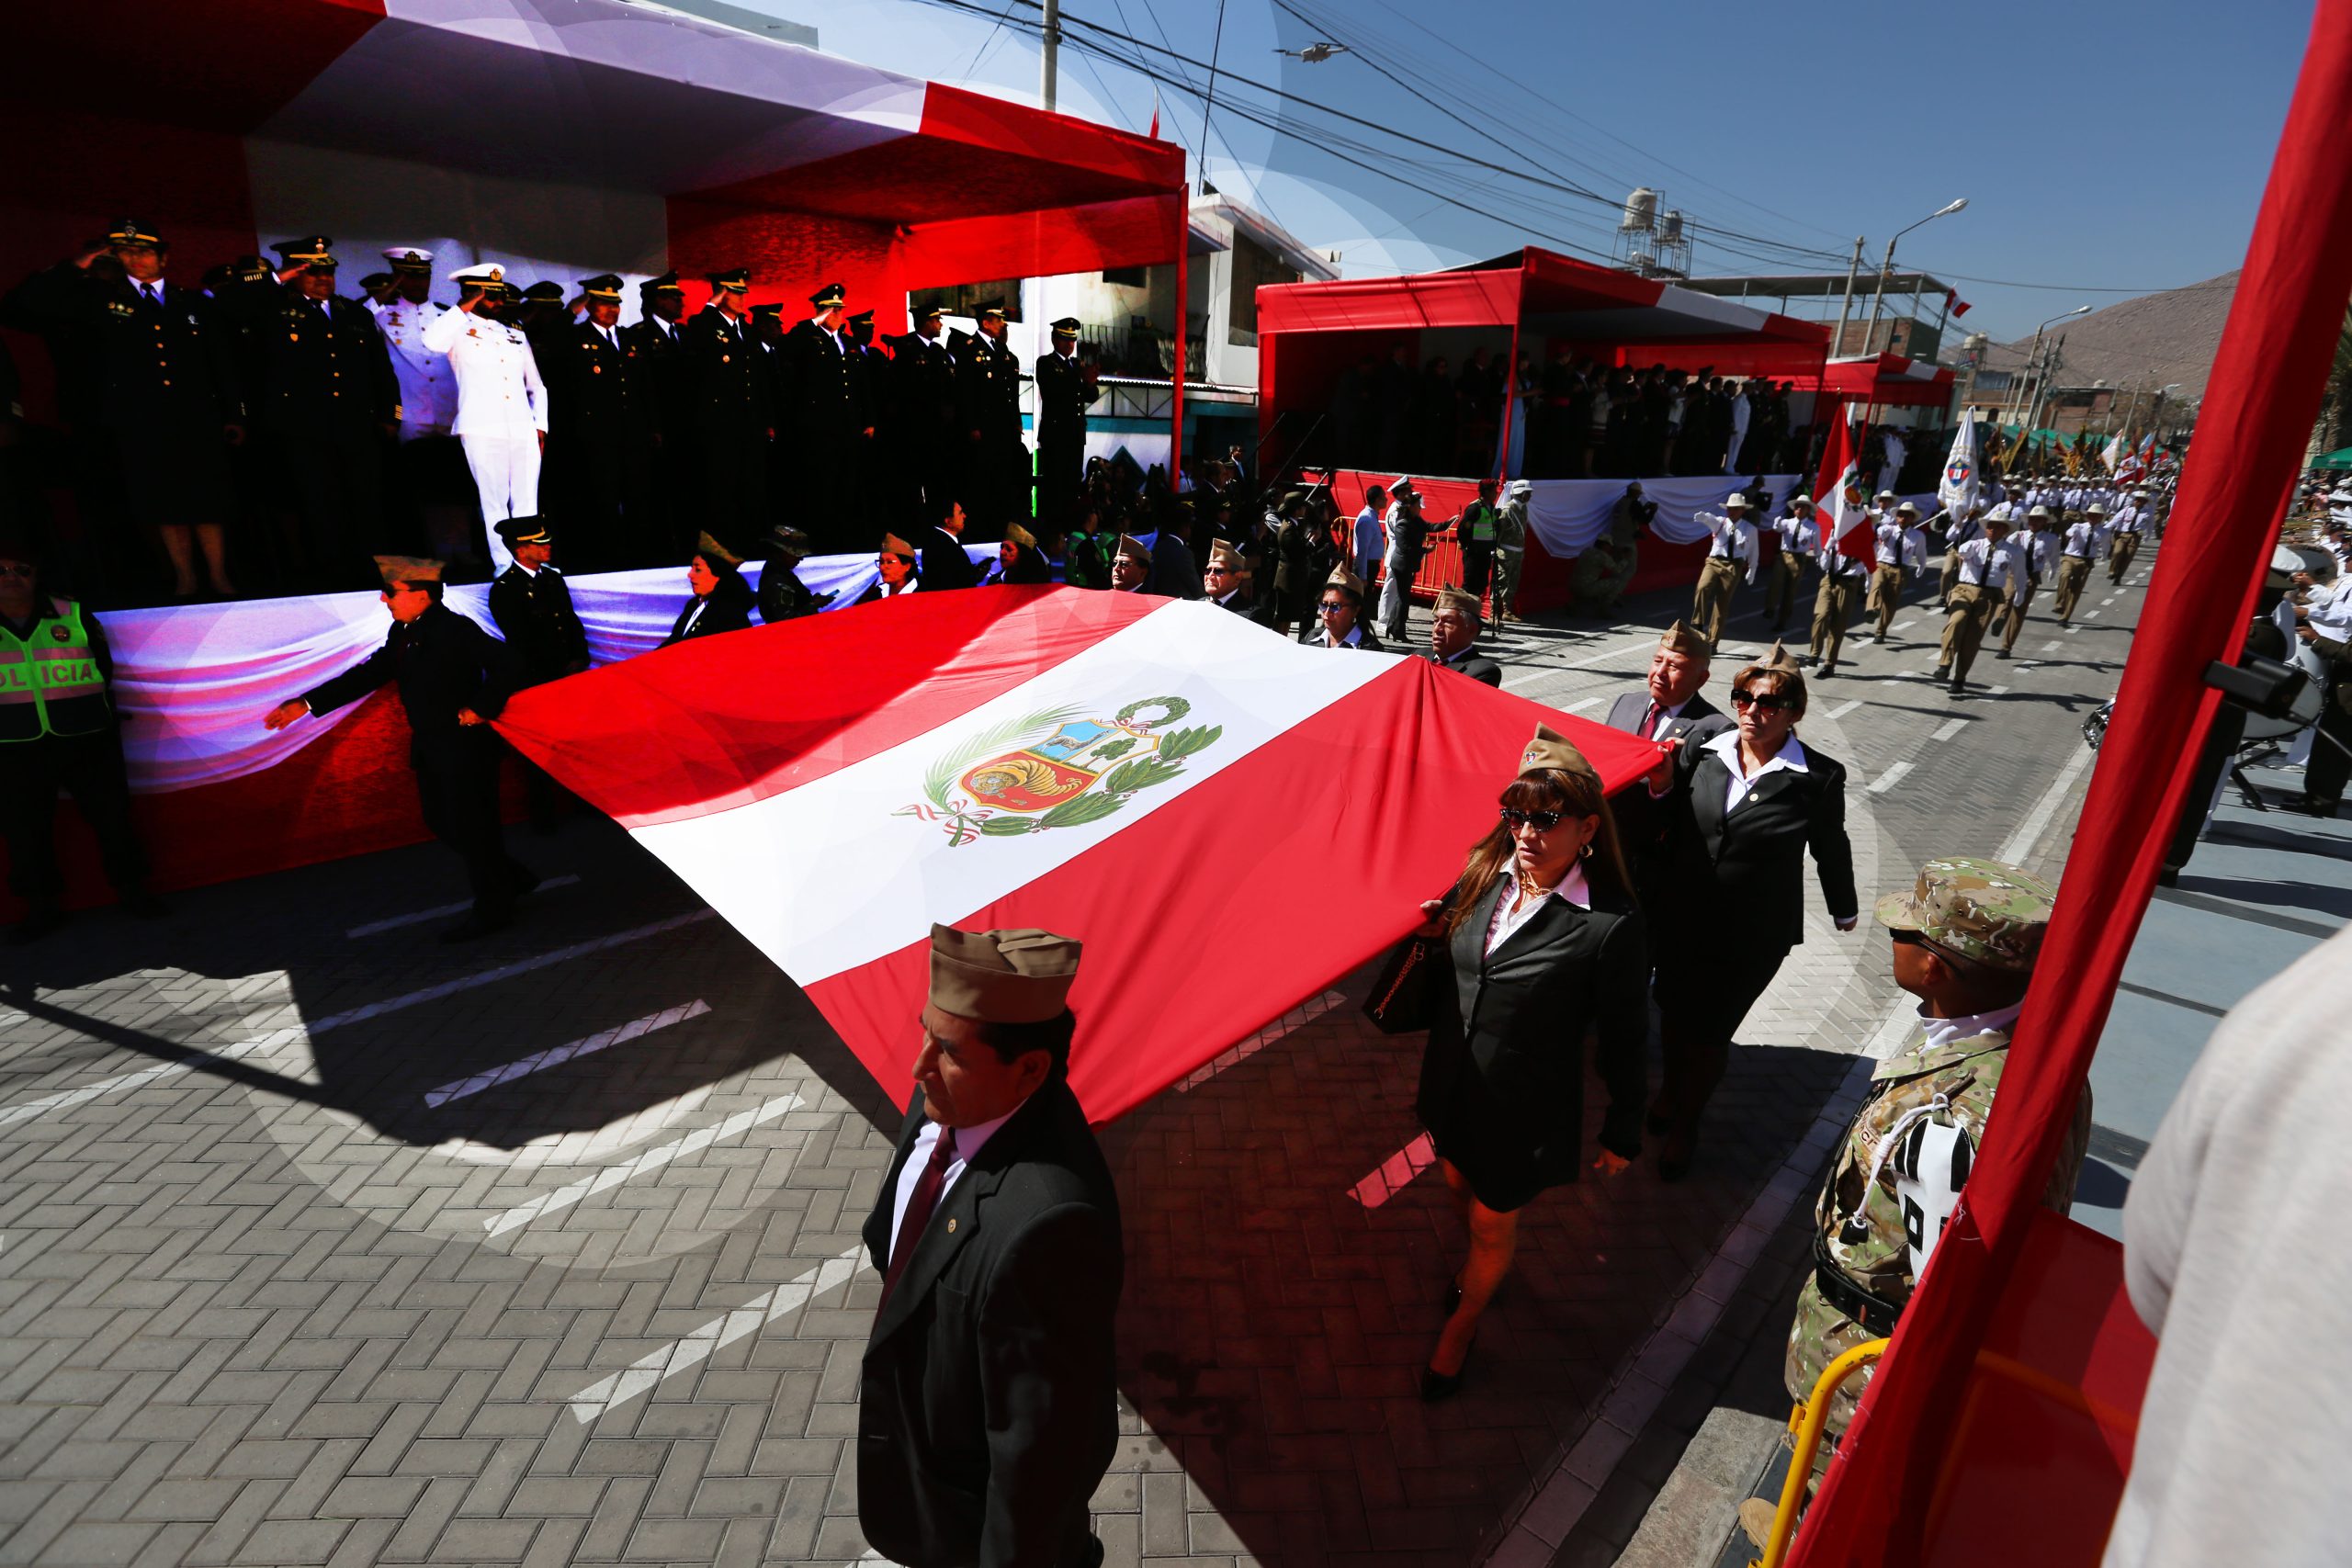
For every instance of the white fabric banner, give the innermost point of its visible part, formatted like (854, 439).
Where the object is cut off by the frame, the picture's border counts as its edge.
(1569, 514)
(193, 681)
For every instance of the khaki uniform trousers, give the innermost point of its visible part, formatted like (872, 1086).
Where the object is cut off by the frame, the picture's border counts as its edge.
(1964, 627)
(1833, 610)
(1711, 600)
(2014, 605)
(1507, 560)
(1950, 575)
(2073, 572)
(2119, 551)
(1886, 595)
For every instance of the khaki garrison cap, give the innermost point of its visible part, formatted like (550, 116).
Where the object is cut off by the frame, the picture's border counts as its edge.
(1007, 976)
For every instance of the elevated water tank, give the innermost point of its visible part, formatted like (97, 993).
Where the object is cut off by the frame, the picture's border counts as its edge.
(1641, 213)
(1669, 230)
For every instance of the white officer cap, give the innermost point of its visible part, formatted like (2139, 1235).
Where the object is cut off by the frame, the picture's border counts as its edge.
(408, 258)
(481, 272)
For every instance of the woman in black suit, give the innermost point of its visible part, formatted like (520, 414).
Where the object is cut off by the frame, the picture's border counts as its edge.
(1543, 944)
(722, 601)
(1341, 617)
(1737, 815)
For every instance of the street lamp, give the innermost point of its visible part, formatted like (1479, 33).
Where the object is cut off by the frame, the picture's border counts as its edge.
(1888, 262)
(2035, 352)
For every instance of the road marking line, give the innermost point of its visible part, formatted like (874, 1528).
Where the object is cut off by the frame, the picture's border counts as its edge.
(1905, 625)
(1886, 780)
(556, 1055)
(2052, 646)
(2090, 614)
(651, 1160)
(1312, 1008)
(1396, 1173)
(1581, 704)
(2021, 842)
(1842, 709)
(2110, 599)
(12, 1115)
(1950, 727)
(438, 910)
(2000, 691)
(649, 1371)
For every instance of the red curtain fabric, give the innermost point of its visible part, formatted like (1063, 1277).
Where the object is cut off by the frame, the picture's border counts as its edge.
(2266, 385)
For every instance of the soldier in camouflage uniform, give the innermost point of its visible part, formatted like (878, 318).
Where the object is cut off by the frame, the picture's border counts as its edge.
(1965, 938)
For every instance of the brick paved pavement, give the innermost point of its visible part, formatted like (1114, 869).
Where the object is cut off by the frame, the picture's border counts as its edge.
(316, 1247)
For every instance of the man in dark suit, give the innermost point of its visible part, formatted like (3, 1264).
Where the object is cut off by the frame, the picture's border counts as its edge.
(988, 386)
(1066, 389)
(1225, 582)
(925, 440)
(944, 564)
(732, 418)
(1453, 637)
(656, 339)
(454, 678)
(988, 1408)
(1670, 707)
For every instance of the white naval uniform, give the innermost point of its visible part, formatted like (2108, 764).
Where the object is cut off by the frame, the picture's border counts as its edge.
(501, 413)
(429, 387)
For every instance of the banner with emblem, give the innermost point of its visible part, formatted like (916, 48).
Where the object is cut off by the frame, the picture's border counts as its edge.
(1841, 500)
(1956, 492)
(1230, 821)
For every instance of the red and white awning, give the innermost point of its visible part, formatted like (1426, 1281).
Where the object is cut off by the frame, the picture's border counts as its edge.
(1228, 820)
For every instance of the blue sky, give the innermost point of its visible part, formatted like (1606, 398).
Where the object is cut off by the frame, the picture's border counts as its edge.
(2108, 149)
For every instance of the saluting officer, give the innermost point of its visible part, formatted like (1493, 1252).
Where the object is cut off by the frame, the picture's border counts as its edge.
(432, 489)
(671, 492)
(503, 401)
(453, 678)
(1066, 389)
(600, 449)
(926, 440)
(987, 385)
(327, 402)
(162, 361)
(730, 411)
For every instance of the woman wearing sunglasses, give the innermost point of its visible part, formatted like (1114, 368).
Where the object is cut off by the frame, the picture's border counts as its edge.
(1738, 812)
(1543, 944)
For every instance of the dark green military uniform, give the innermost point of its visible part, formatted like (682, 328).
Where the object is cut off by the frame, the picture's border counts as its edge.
(1066, 389)
(924, 440)
(728, 406)
(988, 386)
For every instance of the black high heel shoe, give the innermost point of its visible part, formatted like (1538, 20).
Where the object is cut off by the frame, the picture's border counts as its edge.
(1437, 1386)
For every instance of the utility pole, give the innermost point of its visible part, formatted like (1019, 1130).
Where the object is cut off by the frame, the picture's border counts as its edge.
(1838, 340)
(1049, 64)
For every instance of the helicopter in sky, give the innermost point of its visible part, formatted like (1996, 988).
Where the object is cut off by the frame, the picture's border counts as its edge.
(1315, 53)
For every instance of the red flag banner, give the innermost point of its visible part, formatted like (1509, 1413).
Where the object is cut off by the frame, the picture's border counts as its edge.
(1839, 498)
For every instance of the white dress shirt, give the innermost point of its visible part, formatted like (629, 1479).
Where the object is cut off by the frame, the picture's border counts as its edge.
(1798, 536)
(2084, 539)
(499, 390)
(1983, 562)
(2330, 608)
(1892, 543)
(1573, 889)
(1734, 539)
(2036, 551)
(2129, 520)
(1790, 758)
(969, 1142)
(428, 385)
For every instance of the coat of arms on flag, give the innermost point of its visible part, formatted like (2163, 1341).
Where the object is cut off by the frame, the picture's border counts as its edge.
(1040, 771)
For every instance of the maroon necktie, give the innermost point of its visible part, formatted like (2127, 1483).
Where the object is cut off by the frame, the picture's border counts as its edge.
(1649, 723)
(920, 1203)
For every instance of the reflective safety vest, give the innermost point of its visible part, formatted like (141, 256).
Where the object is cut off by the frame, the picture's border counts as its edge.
(49, 683)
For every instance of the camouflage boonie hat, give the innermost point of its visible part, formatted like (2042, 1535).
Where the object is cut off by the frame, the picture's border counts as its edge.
(1982, 909)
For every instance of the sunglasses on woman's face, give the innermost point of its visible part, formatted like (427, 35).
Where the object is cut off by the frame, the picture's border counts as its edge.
(1542, 821)
(1768, 701)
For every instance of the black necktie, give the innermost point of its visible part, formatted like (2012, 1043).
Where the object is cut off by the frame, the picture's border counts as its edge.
(920, 1204)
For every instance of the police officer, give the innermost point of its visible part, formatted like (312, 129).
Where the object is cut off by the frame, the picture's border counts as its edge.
(820, 409)
(665, 527)
(58, 733)
(783, 596)
(454, 677)
(326, 404)
(503, 401)
(163, 362)
(988, 384)
(924, 432)
(600, 445)
(1066, 389)
(1989, 569)
(730, 411)
(1966, 940)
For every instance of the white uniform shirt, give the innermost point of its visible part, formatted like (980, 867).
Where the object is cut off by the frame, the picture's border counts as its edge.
(2037, 552)
(1836, 563)
(2127, 520)
(1798, 536)
(499, 390)
(429, 387)
(1893, 543)
(1734, 539)
(2331, 610)
(1983, 562)
(2084, 539)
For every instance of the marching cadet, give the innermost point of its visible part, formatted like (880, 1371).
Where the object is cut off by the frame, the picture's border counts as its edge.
(600, 445)
(2123, 534)
(895, 562)
(925, 427)
(2080, 545)
(1893, 548)
(819, 407)
(1966, 940)
(730, 412)
(1225, 580)
(503, 403)
(429, 476)
(722, 599)
(327, 402)
(59, 734)
(1958, 531)
(1800, 539)
(454, 677)
(1734, 541)
(2037, 556)
(1988, 568)
(532, 606)
(987, 383)
(783, 596)
(163, 363)
(1834, 603)
(671, 490)
(1066, 389)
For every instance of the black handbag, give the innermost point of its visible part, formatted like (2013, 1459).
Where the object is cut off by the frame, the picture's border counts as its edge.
(1400, 999)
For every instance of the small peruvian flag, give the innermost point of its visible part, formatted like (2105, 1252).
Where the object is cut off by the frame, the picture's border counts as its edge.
(1839, 498)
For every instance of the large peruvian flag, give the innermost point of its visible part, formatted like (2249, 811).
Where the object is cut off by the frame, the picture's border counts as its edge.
(1229, 821)
(1839, 498)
